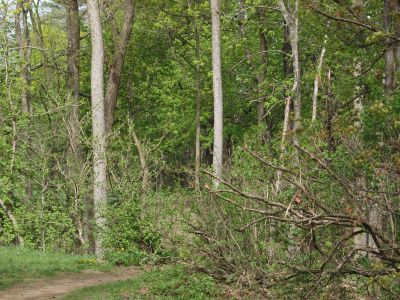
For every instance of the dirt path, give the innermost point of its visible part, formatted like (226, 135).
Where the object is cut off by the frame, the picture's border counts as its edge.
(55, 287)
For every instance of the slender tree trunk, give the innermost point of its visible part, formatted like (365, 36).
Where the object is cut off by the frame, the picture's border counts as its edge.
(24, 51)
(114, 77)
(73, 77)
(263, 62)
(358, 100)
(316, 82)
(390, 53)
(37, 27)
(75, 159)
(142, 160)
(242, 31)
(217, 87)
(292, 22)
(145, 172)
(290, 46)
(330, 113)
(287, 70)
(98, 119)
(397, 44)
(13, 221)
(197, 161)
(24, 48)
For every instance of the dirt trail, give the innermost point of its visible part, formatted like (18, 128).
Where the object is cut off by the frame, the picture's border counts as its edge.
(58, 286)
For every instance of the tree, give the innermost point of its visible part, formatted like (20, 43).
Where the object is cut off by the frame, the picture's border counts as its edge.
(217, 86)
(114, 77)
(98, 118)
(198, 103)
(292, 21)
(25, 52)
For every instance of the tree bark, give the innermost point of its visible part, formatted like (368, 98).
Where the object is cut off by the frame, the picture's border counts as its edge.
(75, 159)
(197, 161)
(73, 32)
(37, 27)
(98, 119)
(143, 164)
(13, 221)
(292, 21)
(217, 88)
(263, 62)
(316, 82)
(24, 48)
(115, 71)
(330, 113)
(390, 53)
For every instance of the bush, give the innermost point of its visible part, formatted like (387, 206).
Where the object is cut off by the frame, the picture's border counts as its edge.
(128, 238)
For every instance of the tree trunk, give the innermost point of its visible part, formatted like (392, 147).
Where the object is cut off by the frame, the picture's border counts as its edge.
(143, 164)
(390, 53)
(145, 172)
(73, 29)
(217, 87)
(397, 44)
(98, 119)
(13, 221)
(37, 27)
(330, 113)
(292, 22)
(263, 62)
(75, 159)
(114, 76)
(24, 48)
(316, 82)
(197, 161)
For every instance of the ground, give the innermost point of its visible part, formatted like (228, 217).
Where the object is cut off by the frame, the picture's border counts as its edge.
(29, 274)
(60, 285)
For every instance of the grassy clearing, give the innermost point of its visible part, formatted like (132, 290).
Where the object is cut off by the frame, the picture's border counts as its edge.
(168, 282)
(18, 264)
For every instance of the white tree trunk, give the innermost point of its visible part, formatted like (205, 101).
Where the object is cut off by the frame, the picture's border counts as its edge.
(13, 221)
(98, 119)
(217, 86)
(316, 82)
(292, 20)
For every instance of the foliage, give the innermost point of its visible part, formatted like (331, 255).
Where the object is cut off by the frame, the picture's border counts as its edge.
(289, 200)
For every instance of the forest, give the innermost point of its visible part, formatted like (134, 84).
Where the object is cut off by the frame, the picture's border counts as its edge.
(250, 148)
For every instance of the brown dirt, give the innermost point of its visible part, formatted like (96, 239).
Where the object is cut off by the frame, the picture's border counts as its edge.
(58, 286)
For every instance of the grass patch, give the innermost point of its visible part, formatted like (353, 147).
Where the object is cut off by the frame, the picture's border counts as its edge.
(168, 282)
(18, 264)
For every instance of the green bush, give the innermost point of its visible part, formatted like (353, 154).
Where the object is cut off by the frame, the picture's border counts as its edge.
(128, 238)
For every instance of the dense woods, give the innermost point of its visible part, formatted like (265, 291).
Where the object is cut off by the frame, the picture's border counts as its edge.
(256, 140)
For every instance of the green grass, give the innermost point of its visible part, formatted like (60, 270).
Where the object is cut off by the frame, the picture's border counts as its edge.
(168, 282)
(18, 264)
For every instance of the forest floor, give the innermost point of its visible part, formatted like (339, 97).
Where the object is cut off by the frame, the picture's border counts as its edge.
(30, 274)
(60, 285)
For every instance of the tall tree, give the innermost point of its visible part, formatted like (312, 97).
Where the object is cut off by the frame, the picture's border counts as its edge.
(261, 12)
(217, 86)
(114, 76)
(292, 21)
(75, 158)
(388, 11)
(316, 82)
(198, 104)
(24, 47)
(98, 118)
